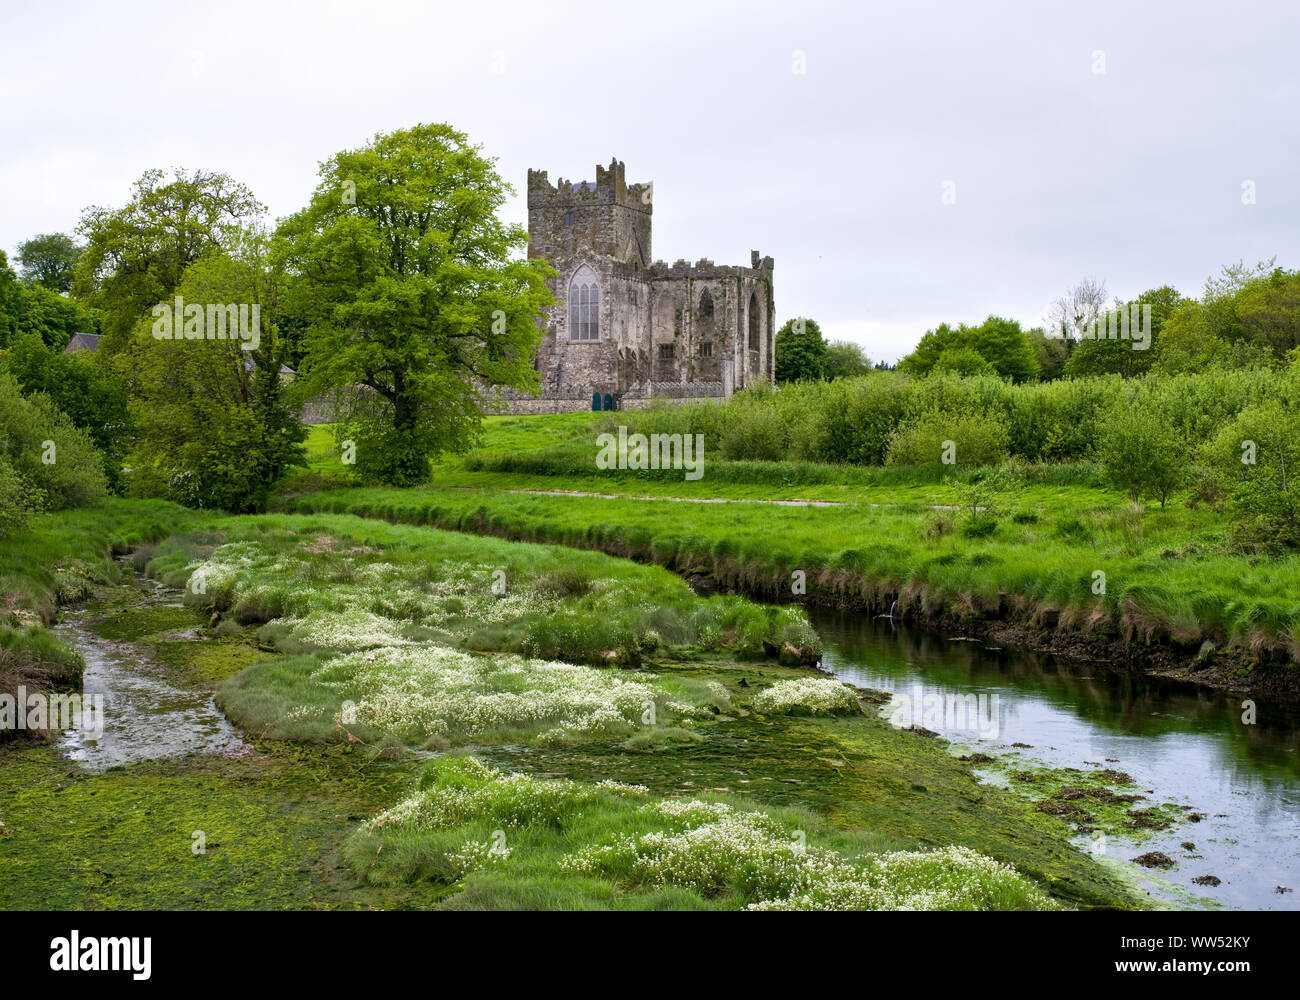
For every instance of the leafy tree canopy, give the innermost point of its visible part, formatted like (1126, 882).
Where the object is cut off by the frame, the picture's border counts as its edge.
(1103, 355)
(413, 288)
(845, 359)
(136, 256)
(801, 352)
(1000, 342)
(82, 387)
(215, 427)
(962, 361)
(1249, 317)
(49, 260)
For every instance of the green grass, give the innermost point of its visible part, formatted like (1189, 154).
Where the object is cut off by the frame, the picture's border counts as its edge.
(436, 638)
(1172, 576)
(1169, 575)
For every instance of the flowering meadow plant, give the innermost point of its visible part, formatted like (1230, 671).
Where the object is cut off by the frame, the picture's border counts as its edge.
(811, 695)
(709, 850)
(423, 693)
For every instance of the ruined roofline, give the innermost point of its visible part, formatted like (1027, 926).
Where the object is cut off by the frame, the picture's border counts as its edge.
(705, 268)
(610, 188)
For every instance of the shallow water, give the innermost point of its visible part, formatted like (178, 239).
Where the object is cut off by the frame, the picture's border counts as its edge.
(145, 717)
(1179, 744)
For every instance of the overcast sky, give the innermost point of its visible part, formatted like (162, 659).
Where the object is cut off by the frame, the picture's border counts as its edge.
(1096, 139)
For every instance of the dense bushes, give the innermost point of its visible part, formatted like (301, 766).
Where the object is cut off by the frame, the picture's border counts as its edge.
(1142, 456)
(857, 421)
(1256, 458)
(92, 396)
(45, 462)
(939, 437)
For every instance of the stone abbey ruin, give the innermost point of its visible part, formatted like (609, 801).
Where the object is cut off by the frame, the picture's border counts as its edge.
(625, 329)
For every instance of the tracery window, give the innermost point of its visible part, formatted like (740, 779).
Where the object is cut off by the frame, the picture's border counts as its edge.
(584, 306)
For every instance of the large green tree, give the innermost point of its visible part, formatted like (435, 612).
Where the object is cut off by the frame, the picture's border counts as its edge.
(1052, 353)
(801, 352)
(1102, 355)
(1248, 317)
(8, 286)
(1000, 342)
(49, 260)
(214, 425)
(136, 256)
(35, 309)
(414, 290)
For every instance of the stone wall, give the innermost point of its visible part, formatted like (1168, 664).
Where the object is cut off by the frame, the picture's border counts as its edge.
(512, 402)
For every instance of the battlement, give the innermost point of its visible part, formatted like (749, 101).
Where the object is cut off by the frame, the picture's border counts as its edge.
(609, 188)
(705, 268)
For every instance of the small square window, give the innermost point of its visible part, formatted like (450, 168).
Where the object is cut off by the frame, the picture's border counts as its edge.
(665, 352)
(568, 218)
(706, 349)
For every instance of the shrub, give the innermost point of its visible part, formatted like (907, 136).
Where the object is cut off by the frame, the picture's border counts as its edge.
(930, 438)
(858, 417)
(807, 696)
(1257, 456)
(1142, 456)
(18, 500)
(754, 432)
(50, 463)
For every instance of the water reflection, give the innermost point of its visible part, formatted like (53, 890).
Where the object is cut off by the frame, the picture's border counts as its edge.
(1181, 744)
(145, 718)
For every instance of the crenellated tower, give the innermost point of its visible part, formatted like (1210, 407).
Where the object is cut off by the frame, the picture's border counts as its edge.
(609, 217)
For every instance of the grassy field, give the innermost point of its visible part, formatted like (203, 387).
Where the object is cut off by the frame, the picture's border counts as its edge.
(1167, 580)
(1039, 546)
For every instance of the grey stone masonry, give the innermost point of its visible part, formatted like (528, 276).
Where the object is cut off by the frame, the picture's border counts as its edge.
(625, 325)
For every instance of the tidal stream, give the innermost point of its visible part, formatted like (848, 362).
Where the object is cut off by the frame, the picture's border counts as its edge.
(144, 717)
(1180, 744)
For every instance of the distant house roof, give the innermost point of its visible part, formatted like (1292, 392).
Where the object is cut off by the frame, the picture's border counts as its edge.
(83, 342)
(284, 369)
(584, 186)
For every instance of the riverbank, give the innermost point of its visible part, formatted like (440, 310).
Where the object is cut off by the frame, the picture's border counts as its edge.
(1188, 612)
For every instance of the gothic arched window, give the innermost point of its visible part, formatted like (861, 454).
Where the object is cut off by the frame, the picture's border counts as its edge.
(584, 306)
(706, 304)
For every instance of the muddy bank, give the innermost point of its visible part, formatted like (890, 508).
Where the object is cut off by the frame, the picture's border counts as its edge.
(1221, 671)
